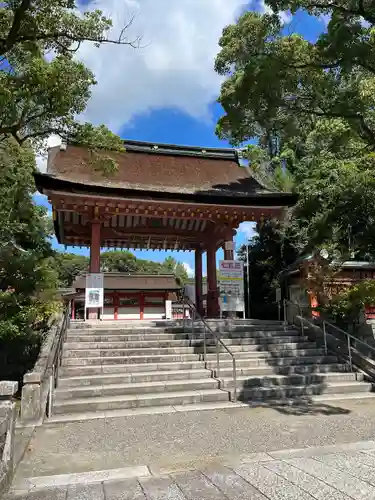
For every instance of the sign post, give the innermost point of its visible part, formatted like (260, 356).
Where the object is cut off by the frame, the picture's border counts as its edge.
(231, 285)
(94, 293)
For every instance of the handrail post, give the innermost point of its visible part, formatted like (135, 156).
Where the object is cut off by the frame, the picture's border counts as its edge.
(217, 357)
(325, 338)
(234, 380)
(284, 312)
(204, 343)
(192, 320)
(301, 316)
(350, 354)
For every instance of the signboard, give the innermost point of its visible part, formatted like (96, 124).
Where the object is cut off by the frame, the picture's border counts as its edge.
(94, 296)
(231, 285)
(278, 294)
(168, 309)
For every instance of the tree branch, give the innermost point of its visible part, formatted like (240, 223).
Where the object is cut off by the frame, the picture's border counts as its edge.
(361, 11)
(366, 130)
(19, 14)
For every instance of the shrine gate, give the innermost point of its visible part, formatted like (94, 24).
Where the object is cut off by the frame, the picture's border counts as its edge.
(162, 197)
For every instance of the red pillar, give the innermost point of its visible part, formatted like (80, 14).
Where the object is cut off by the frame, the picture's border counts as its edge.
(213, 310)
(95, 247)
(73, 315)
(198, 281)
(95, 259)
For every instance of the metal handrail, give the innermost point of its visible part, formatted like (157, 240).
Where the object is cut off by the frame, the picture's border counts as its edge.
(324, 323)
(195, 314)
(57, 359)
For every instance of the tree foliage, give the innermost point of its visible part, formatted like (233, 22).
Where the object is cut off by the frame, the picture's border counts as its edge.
(43, 87)
(27, 281)
(69, 266)
(276, 81)
(311, 107)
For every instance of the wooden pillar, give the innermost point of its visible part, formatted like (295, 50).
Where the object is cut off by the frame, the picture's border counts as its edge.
(95, 259)
(198, 281)
(95, 247)
(213, 310)
(73, 315)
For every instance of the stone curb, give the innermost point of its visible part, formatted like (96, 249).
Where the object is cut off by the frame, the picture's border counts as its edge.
(29, 484)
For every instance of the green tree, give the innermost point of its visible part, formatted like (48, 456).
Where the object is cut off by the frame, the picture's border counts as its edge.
(170, 265)
(41, 95)
(69, 266)
(27, 281)
(276, 81)
(119, 261)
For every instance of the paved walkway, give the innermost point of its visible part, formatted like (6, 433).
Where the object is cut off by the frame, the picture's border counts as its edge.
(192, 438)
(331, 473)
(222, 454)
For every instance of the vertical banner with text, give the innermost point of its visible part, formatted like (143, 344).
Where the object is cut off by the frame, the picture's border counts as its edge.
(94, 297)
(231, 283)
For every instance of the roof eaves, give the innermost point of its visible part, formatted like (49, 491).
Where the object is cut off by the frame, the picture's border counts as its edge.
(177, 150)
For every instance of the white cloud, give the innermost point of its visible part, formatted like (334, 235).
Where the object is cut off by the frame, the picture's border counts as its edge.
(189, 269)
(285, 16)
(247, 228)
(41, 160)
(173, 68)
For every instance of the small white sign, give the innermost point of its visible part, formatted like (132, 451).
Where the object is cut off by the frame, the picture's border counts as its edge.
(168, 309)
(278, 294)
(94, 296)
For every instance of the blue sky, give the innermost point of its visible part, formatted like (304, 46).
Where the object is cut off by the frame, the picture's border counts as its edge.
(167, 90)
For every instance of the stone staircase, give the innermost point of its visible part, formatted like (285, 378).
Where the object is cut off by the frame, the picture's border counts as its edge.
(116, 367)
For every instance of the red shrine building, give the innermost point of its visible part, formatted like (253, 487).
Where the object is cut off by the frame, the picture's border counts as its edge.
(161, 197)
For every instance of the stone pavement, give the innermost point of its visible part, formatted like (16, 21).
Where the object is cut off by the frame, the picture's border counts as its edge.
(219, 454)
(193, 437)
(345, 472)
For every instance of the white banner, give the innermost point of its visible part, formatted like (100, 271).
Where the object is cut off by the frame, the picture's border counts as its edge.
(94, 296)
(168, 309)
(231, 285)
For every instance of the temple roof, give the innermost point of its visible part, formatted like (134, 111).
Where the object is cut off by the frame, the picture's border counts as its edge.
(162, 171)
(124, 281)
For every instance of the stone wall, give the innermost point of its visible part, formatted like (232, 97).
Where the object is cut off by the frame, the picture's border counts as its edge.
(36, 382)
(8, 415)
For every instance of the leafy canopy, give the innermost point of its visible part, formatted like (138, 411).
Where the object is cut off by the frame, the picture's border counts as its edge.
(43, 87)
(277, 81)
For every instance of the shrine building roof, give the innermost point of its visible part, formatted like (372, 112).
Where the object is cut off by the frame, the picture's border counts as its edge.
(161, 171)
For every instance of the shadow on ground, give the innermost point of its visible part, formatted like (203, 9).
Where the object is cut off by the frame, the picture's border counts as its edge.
(298, 373)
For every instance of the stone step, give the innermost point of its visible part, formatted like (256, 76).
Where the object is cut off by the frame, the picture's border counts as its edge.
(273, 362)
(165, 358)
(137, 377)
(270, 381)
(68, 393)
(270, 355)
(127, 360)
(225, 364)
(301, 391)
(139, 332)
(103, 403)
(308, 369)
(197, 349)
(77, 371)
(104, 353)
(105, 337)
(141, 344)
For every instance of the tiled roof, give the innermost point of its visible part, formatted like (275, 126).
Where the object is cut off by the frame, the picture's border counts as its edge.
(122, 281)
(145, 167)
